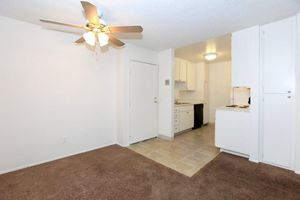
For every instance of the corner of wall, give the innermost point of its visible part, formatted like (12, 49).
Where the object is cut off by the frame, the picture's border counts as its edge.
(166, 93)
(297, 89)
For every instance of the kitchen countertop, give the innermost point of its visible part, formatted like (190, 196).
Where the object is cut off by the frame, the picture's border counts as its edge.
(234, 109)
(183, 104)
(190, 102)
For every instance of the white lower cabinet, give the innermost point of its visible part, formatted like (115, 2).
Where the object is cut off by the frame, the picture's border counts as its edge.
(183, 118)
(176, 120)
(232, 130)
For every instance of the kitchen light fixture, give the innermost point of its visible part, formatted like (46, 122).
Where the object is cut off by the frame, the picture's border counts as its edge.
(210, 56)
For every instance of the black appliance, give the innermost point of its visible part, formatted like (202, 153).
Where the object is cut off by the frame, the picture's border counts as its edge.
(198, 115)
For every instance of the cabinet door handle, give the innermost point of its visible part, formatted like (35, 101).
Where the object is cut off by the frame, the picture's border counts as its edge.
(289, 97)
(289, 92)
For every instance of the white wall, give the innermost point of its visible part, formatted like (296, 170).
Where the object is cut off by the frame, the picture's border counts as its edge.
(166, 98)
(297, 89)
(245, 72)
(125, 55)
(219, 84)
(51, 89)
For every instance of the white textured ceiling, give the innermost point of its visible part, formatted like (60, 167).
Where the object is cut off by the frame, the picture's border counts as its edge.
(167, 23)
(195, 52)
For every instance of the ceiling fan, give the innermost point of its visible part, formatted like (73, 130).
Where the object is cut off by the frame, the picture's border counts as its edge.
(96, 28)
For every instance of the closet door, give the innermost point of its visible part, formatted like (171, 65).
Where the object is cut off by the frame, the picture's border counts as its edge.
(143, 101)
(278, 48)
(277, 128)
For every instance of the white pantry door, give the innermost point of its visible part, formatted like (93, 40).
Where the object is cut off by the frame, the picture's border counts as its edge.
(278, 138)
(278, 49)
(143, 101)
(278, 45)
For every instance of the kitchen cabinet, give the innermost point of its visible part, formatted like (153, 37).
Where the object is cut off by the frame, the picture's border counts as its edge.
(185, 72)
(186, 118)
(177, 69)
(180, 71)
(176, 116)
(205, 113)
(278, 60)
(183, 118)
(232, 131)
(191, 76)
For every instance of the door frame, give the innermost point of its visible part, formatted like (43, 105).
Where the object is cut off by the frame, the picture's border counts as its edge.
(129, 96)
(293, 95)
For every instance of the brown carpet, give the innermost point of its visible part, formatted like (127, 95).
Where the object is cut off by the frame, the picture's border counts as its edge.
(119, 173)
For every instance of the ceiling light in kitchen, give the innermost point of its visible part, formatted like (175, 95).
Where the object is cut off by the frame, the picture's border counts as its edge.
(210, 56)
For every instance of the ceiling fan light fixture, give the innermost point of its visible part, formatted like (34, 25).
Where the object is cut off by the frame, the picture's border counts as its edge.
(90, 38)
(103, 39)
(210, 56)
(97, 29)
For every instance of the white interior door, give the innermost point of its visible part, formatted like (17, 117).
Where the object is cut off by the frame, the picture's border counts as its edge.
(277, 129)
(143, 101)
(278, 49)
(278, 55)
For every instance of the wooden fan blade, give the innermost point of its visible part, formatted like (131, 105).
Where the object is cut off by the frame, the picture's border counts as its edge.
(80, 40)
(90, 12)
(125, 29)
(115, 41)
(60, 23)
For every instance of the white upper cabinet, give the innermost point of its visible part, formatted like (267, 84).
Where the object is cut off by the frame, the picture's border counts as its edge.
(185, 72)
(191, 76)
(278, 47)
(180, 71)
(245, 57)
(177, 70)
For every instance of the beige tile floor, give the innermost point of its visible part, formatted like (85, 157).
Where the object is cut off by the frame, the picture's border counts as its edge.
(187, 153)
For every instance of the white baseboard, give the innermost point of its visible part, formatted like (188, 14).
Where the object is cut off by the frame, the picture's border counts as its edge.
(253, 160)
(123, 145)
(297, 172)
(165, 137)
(234, 153)
(53, 159)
